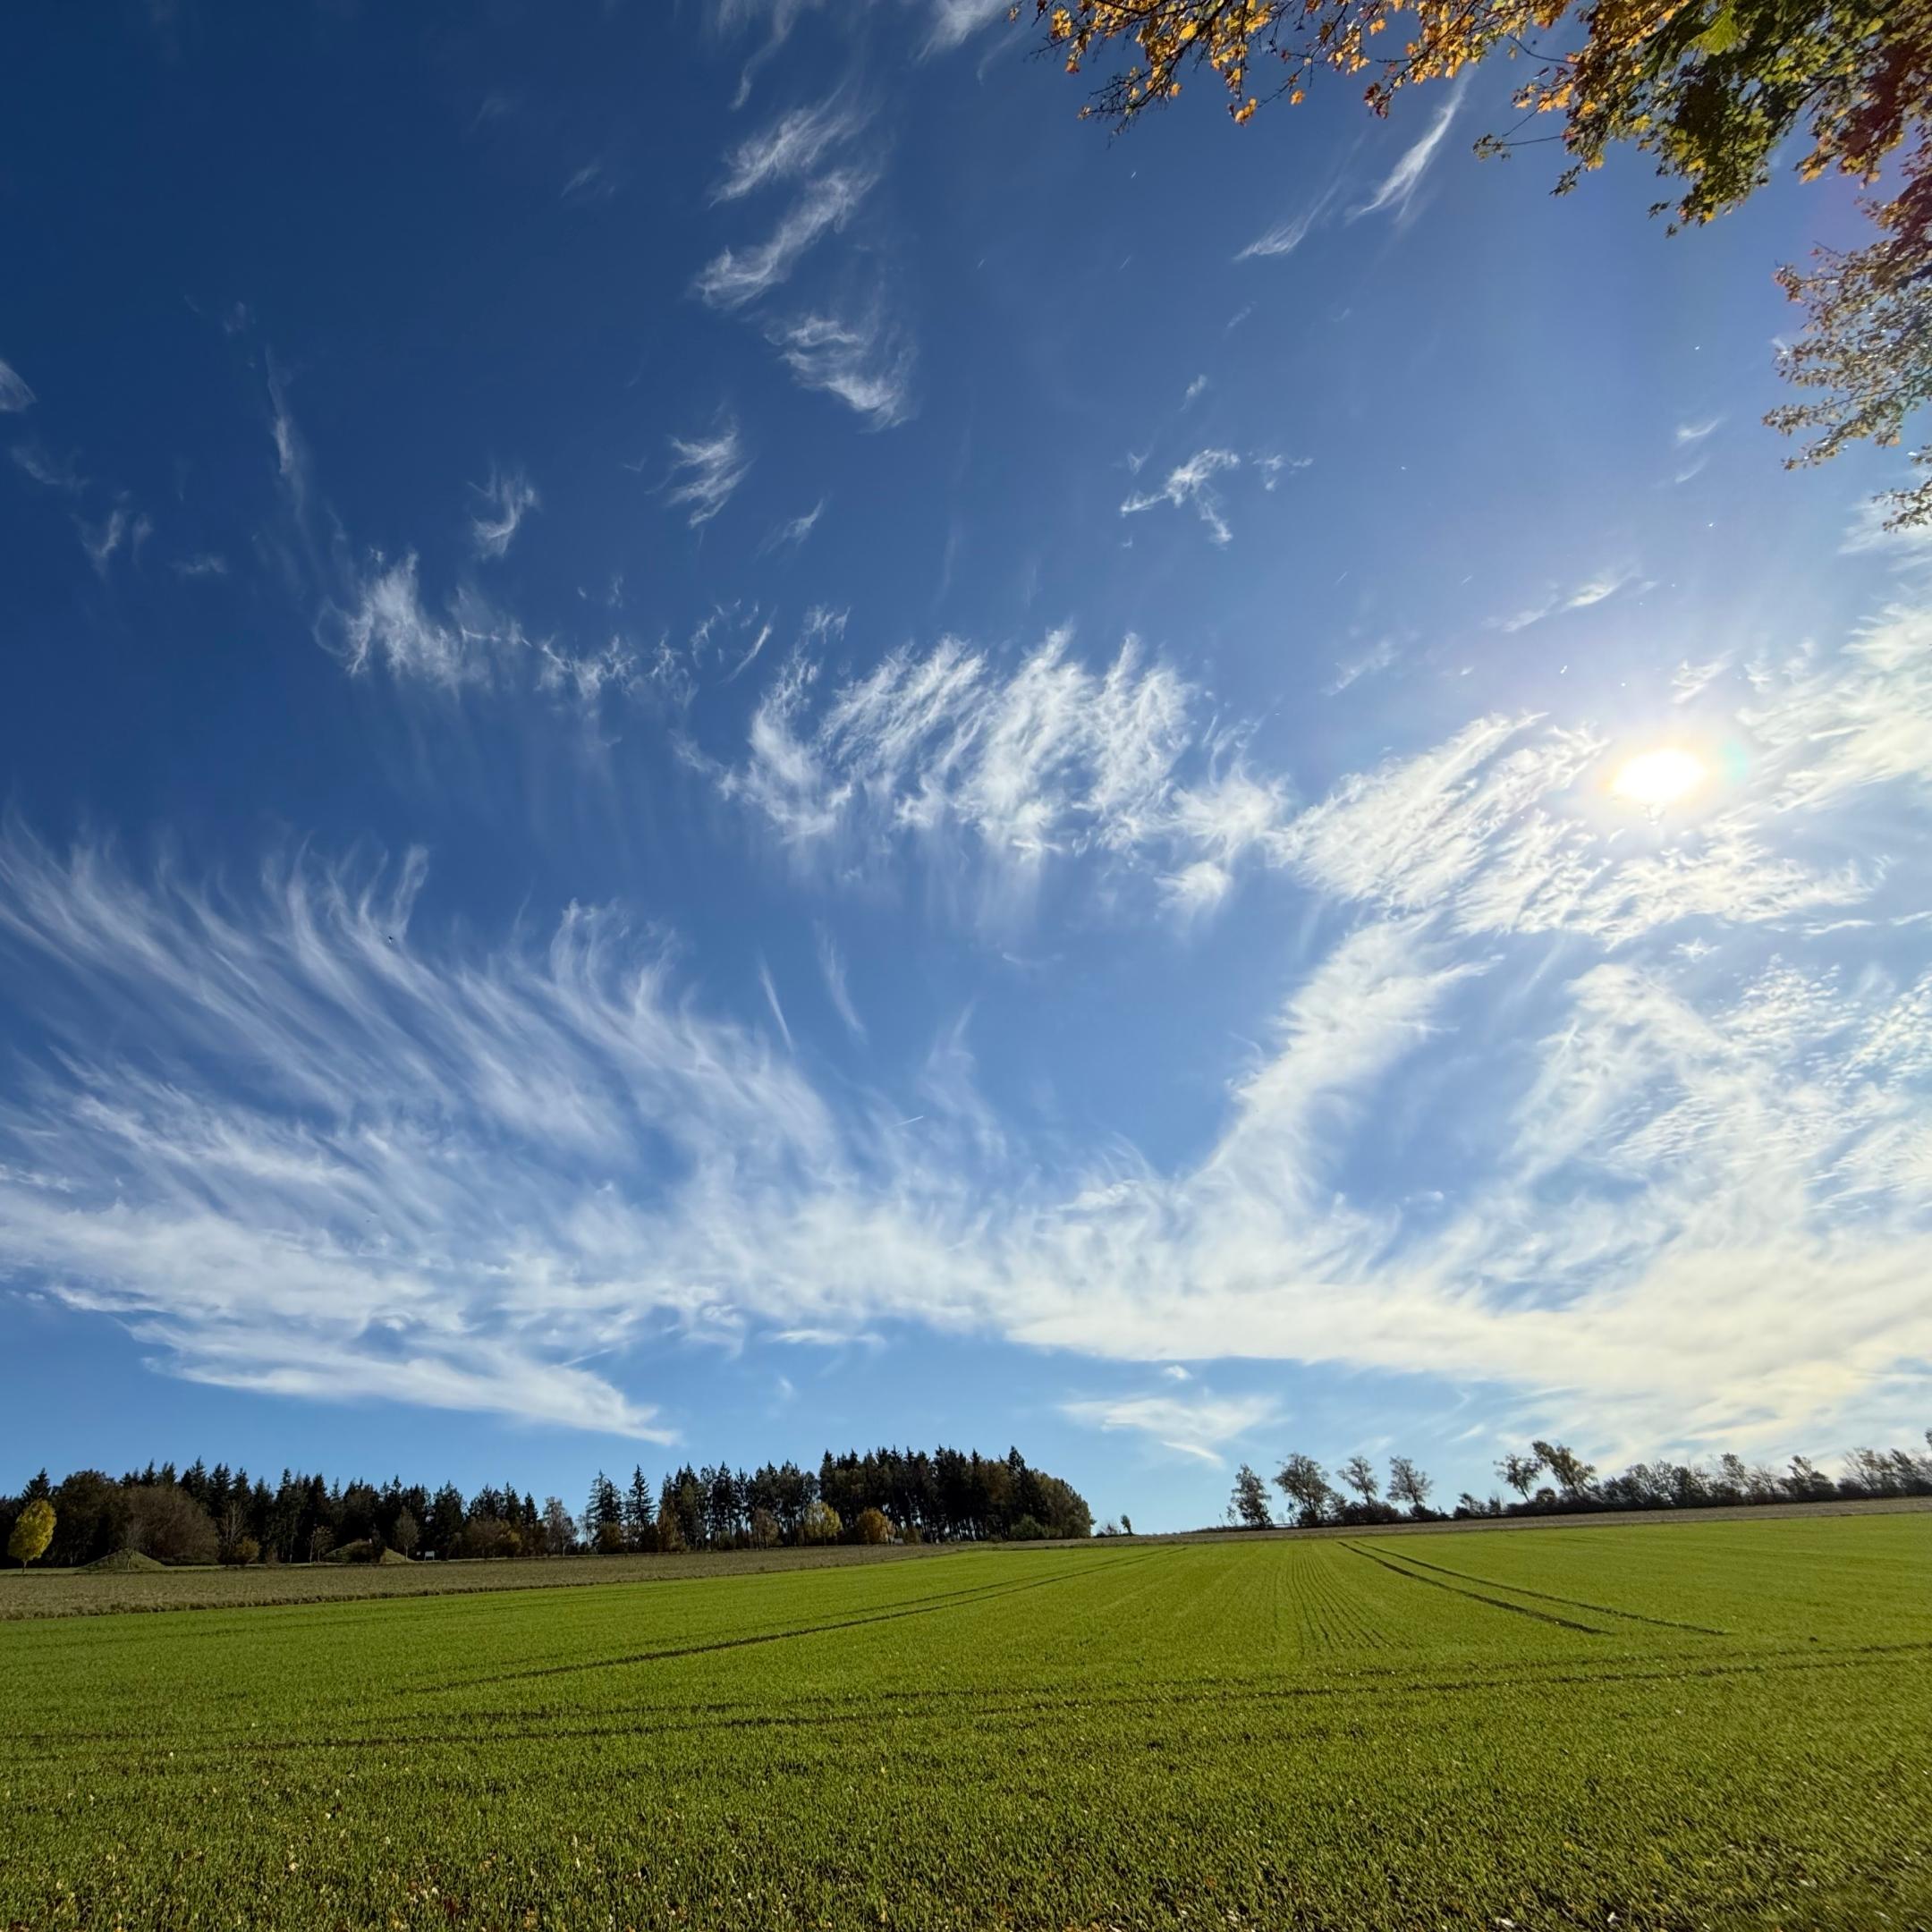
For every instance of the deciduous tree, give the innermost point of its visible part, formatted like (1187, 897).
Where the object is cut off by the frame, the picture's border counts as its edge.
(1305, 1483)
(1572, 1473)
(1248, 1505)
(405, 1533)
(1521, 1472)
(1408, 1484)
(1359, 1473)
(33, 1531)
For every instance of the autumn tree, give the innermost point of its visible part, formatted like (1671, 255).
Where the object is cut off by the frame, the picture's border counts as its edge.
(1249, 1506)
(820, 1522)
(1710, 90)
(33, 1531)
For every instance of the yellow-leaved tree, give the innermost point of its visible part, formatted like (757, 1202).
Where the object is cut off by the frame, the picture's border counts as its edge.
(1710, 89)
(33, 1531)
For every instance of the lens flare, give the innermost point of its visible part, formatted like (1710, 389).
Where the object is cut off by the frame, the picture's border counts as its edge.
(1658, 778)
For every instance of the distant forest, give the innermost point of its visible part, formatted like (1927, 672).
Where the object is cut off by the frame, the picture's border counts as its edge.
(199, 1515)
(1550, 1478)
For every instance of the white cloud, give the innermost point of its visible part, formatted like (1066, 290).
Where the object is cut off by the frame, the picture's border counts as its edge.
(831, 964)
(957, 20)
(1378, 656)
(1695, 432)
(1286, 237)
(1198, 1425)
(1593, 591)
(1196, 388)
(792, 146)
(734, 277)
(341, 1155)
(791, 535)
(509, 496)
(58, 473)
(1861, 718)
(1911, 544)
(384, 620)
(14, 394)
(1488, 830)
(590, 183)
(389, 625)
(1192, 484)
(1197, 889)
(1403, 182)
(771, 1000)
(101, 540)
(1269, 467)
(1690, 681)
(1050, 757)
(707, 470)
(866, 364)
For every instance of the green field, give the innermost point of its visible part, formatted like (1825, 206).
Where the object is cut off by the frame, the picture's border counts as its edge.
(1723, 1724)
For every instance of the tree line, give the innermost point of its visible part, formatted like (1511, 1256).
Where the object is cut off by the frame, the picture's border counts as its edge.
(1551, 1479)
(203, 1515)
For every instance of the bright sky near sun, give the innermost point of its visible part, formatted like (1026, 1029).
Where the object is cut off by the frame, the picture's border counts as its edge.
(719, 738)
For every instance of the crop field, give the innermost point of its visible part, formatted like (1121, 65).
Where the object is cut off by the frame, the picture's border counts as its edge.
(94, 1593)
(1722, 1725)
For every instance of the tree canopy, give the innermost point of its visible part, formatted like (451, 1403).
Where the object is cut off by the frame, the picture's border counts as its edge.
(33, 1531)
(1709, 88)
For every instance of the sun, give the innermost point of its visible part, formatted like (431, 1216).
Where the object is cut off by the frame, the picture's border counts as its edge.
(1658, 778)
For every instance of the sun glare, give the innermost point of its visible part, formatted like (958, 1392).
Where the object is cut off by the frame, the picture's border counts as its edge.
(1659, 777)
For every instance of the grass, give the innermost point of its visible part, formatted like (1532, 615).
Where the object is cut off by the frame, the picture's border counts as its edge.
(1704, 1724)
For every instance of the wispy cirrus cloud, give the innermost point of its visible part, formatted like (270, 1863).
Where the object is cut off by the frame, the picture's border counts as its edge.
(61, 473)
(1286, 237)
(865, 362)
(1396, 194)
(1860, 719)
(736, 277)
(508, 497)
(14, 394)
(1197, 1425)
(792, 146)
(342, 1154)
(121, 529)
(1191, 485)
(706, 471)
(1051, 756)
(1597, 589)
(955, 22)
(831, 966)
(792, 534)
(1486, 832)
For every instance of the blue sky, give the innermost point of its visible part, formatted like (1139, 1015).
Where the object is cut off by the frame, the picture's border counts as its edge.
(719, 738)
